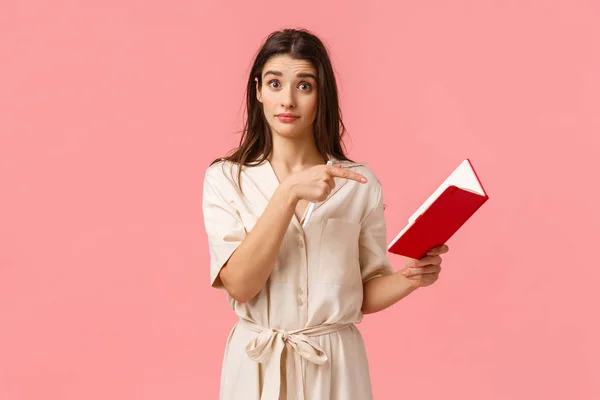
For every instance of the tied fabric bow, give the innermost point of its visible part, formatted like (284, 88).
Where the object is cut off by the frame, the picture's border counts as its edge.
(268, 346)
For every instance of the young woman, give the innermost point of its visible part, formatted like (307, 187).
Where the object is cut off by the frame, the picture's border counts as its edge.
(298, 287)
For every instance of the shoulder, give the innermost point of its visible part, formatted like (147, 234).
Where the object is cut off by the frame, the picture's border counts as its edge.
(220, 179)
(221, 172)
(373, 185)
(373, 179)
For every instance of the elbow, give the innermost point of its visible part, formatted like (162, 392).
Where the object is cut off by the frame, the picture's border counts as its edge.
(239, 294)
(371, 308)
(237, 288)
(370, 303)
(367, 310)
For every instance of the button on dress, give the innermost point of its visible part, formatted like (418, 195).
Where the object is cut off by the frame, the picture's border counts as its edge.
(297, 339)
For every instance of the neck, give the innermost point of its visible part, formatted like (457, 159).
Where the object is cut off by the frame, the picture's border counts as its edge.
(295, 155)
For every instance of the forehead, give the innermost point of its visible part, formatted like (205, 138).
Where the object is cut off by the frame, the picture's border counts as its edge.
(288, 65)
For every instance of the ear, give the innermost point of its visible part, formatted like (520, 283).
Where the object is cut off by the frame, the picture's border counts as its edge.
(258, 94)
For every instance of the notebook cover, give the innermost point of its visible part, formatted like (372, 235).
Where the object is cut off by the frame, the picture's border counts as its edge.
(438, 223)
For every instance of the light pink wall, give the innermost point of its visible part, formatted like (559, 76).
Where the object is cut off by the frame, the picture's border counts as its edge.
(111, 110)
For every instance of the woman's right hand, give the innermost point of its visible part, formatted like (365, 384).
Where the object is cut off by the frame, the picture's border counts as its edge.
(315, 183)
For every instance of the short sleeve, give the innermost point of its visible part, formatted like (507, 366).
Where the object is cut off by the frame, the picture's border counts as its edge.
(372, 242)
(224, 227)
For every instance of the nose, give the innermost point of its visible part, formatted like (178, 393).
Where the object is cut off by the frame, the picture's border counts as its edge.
(287, 98)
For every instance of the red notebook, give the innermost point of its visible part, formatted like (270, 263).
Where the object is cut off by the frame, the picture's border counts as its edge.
(442, 214)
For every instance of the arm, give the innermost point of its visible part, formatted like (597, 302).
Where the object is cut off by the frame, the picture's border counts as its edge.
(242, 262)
(382, 292)
(382, 287)
(249, 267)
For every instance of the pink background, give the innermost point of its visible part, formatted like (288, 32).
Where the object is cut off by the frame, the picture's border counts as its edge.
(111, 110)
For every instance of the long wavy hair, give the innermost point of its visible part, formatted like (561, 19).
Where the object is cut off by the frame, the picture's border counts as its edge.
(256, 142)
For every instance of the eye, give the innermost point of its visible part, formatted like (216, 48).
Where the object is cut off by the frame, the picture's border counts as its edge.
(274, 84)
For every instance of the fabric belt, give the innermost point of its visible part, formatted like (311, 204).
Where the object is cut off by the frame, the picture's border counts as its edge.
(268, 346)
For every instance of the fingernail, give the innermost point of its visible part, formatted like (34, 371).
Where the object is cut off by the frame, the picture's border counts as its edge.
(363, 180)
(406, 272)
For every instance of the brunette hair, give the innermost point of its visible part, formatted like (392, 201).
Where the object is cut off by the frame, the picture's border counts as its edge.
(256, 140)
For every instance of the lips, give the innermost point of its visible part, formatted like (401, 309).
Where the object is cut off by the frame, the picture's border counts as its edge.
(286, 117)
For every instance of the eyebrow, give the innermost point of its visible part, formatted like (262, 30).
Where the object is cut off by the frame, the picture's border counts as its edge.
(299, 75)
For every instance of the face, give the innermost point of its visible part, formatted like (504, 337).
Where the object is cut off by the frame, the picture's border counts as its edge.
(289, 86)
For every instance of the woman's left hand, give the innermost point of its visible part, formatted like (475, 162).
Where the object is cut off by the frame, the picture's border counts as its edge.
(426, 271)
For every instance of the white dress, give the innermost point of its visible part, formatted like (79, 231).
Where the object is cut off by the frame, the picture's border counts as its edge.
(296, 339)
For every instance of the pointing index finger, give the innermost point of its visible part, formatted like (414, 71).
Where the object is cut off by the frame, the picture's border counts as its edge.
(345, 173)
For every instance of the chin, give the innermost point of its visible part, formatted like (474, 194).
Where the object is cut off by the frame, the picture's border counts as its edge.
(289, 131)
